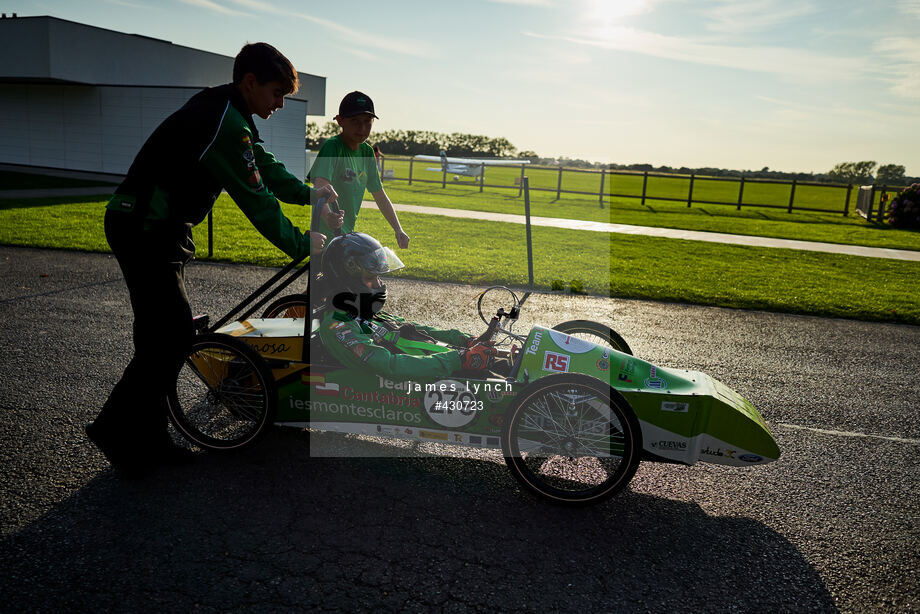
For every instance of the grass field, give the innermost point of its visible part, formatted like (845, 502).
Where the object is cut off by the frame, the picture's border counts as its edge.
(473, 251)
(800, 225)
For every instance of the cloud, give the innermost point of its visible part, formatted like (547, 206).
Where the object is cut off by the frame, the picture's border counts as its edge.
(354, 37)
(217, 8)
(909, 7)
(736, 16)
(902, 68)
(524, 2)
(783, 61)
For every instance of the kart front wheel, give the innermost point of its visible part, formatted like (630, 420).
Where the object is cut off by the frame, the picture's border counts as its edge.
(595, 332)
(572, 439)
(225, 396)
(291, 306)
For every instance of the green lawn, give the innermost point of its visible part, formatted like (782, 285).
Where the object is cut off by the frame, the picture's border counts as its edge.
(456, 250)
(800, 225)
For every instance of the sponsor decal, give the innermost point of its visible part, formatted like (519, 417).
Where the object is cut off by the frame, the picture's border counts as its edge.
(492, 441)
(458, 438)
(270, 348)
(674, 406)
(432, 435)
(667, 444)
(556, 362)
(571, 344)
(248, 155)
(255, 181)
(408, 385)
(655, 382)
(387, 431)
(359, 350)
(451, 404)
(606, 354)
(496, 419)
(750, 458)
(494, 395)
(383, 397)
(475, 440)
(312, 378)
(348, 175)
(408, 431)
(350, 410)
(247, 140)
(603, 364)
(627, 368)
(328, 390)
(726, 452)
(537, 338)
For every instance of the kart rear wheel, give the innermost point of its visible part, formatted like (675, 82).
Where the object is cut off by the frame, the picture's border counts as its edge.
(225, 396)
(572, 439)
(291, 306)
(595, 332)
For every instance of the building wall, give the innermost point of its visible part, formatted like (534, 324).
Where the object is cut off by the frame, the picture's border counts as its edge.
(101, 129)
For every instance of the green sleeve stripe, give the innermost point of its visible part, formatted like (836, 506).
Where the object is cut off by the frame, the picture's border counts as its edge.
(219, 124)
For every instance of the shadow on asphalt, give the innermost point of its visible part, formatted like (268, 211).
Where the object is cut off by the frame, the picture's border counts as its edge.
(272, 529)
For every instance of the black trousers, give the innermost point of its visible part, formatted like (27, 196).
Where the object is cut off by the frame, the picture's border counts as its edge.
(153, 264)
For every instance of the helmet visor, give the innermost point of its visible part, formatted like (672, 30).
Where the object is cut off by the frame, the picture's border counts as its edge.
(381, 261)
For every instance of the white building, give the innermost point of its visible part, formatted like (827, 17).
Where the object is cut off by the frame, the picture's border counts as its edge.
(80, 98)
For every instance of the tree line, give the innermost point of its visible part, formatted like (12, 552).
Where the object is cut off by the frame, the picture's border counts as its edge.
(426, 142)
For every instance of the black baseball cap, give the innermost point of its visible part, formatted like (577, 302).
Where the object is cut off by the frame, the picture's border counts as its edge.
(356, 103)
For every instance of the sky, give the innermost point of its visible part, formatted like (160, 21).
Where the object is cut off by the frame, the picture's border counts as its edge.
(793, 85)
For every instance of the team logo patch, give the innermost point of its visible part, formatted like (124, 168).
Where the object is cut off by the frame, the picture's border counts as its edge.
(556, 362)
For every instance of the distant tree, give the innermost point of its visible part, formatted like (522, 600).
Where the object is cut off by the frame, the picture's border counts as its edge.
(891, 174)
(853, 172)
(317, 135)
(528, 155)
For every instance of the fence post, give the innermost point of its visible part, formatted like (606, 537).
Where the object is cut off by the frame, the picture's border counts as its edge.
(521, 188)
(690, 193)
(411, 160)
(559, 183)
(444, 177)
(210, 233)
(644, 185)
(740, 192)
(791, 196)
(525, 187)
(482, 176)
(601, 194)
(846, 206)
(882, 202)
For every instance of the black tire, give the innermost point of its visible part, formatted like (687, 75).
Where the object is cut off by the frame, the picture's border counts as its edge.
(290, 306)
(594, 332)
(569, 461)
(225, 397)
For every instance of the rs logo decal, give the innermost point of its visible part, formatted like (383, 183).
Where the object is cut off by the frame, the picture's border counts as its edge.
(555, 362)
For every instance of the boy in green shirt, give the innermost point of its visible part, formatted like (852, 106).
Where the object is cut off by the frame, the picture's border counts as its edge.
(347, 162)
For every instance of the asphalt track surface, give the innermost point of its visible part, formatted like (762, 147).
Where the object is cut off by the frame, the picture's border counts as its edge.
(833, 525)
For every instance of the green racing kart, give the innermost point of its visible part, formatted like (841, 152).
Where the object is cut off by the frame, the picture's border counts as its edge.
(570, 408)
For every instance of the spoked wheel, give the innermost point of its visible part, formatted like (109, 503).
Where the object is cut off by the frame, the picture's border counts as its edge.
(225, 396)
(291, 306)
(572, 439)
(594, 332)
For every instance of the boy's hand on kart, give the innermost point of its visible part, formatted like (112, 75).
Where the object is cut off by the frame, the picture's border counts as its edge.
(478, 357)
(334, 220)
(327, 192)
(317, 241)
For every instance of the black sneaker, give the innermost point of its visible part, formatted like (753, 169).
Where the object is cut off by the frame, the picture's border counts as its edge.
(126, 462)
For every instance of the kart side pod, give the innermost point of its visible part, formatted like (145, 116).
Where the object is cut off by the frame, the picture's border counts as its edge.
(685, 416)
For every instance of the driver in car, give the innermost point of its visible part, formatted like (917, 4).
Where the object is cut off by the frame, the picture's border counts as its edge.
(356, 331)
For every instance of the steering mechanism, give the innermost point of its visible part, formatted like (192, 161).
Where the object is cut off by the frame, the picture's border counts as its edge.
(495, 322)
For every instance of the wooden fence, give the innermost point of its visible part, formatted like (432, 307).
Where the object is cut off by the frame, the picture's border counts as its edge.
(607, 184)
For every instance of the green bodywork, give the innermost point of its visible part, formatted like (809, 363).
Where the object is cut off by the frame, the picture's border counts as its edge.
(685, 416)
